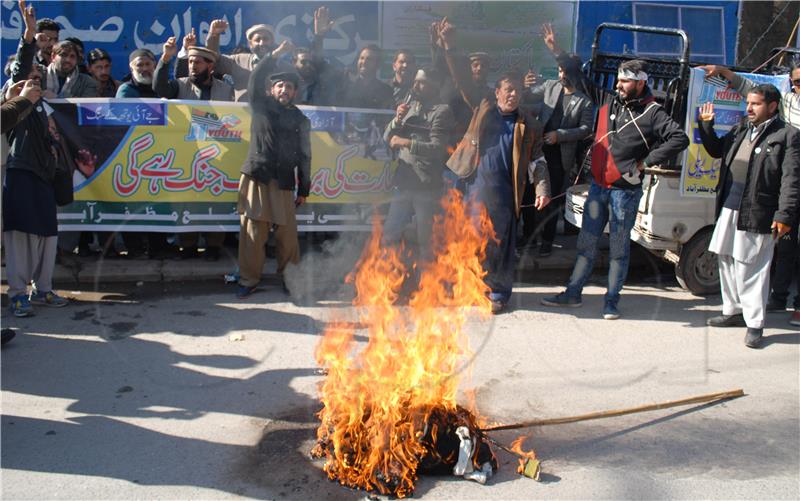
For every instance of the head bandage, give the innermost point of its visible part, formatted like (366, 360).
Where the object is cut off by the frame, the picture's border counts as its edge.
(629, 75)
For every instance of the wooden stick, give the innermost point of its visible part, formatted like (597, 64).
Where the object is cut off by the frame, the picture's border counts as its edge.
(791, 35)
(725, 395)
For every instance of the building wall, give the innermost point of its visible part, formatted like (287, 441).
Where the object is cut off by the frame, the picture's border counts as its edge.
(765, 25)
(711, 25)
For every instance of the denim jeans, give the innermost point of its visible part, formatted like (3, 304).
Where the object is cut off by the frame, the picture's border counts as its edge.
(406, 204)
(618, 208)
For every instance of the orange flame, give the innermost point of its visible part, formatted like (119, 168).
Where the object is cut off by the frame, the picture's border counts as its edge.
(516, 446)
(376, 401)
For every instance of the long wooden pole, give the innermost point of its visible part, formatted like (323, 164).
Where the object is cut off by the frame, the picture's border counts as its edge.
(725, 395)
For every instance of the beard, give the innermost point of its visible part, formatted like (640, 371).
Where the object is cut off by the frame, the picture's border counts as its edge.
(62, 72)
(200, 78)
(141, 79)
(261, 51)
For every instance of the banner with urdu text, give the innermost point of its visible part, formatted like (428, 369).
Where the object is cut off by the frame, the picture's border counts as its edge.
(174, 166)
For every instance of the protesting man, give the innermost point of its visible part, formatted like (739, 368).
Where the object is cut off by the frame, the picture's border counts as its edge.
(261, 41)
(318, 79)
(280, 152)
(100, 69)
(361, 88)
(405, 70)
(567, 115)
(62, 78)
(30, 227)
(509, 142)
(199, 85)
(633, 132)
(419, 133)
(142, 64)
(786, 262)
(757, 202)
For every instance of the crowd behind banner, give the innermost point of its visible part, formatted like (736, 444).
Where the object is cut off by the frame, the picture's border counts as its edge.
(173, 149)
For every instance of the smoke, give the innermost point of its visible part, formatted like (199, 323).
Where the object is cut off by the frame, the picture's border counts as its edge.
(320, 275)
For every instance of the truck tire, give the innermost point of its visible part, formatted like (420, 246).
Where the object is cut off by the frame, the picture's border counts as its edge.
(697, 269)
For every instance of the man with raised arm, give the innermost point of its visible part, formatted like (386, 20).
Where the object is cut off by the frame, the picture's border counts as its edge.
(318, 79)
(786, 261)
(633, 132)
(199, 85)
(261, 42)
(567, 115)
(509, 148)
(62, 77)
(280, 153)
(758, 198)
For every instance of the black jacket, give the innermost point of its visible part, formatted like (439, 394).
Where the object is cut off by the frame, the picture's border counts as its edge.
(32, 145)
(280, 136)
(772, 189)
(627, 133)
(14, 111)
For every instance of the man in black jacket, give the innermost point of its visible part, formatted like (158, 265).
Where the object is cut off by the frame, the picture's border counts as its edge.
(633, 132)
(30, 227)
(757, 202)
(280, 145)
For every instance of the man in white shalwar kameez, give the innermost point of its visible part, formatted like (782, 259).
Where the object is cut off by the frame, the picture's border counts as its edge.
(757, 200)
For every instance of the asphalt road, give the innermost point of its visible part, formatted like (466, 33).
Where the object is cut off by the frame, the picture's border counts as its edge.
(178, 391)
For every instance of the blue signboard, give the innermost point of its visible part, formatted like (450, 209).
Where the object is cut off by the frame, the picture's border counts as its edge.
(122, 113)
(120, 27)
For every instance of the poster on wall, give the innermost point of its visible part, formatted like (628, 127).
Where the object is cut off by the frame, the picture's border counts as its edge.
(174, 166)
(700, 174)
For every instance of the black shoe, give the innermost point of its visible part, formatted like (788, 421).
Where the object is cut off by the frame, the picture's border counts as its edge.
(545, 249)
(211, 254)
(774, 305)
(727, 321)
(7, 335)
(753, 337)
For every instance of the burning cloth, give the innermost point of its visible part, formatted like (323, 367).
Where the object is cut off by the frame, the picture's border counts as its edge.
(389, 410)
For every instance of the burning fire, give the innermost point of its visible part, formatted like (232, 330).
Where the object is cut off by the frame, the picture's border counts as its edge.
(528, 465)
(386, 406)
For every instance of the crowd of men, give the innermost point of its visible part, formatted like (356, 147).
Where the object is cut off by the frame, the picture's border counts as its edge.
(512, 147)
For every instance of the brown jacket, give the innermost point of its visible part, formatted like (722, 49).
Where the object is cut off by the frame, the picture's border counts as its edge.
(528, 139)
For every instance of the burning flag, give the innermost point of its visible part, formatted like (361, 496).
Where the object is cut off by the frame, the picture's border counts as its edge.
(389, 410)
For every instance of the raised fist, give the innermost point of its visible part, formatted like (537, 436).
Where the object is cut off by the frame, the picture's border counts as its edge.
(170, 49)
(218, 27)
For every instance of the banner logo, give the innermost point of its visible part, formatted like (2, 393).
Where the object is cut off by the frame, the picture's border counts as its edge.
(207, 126)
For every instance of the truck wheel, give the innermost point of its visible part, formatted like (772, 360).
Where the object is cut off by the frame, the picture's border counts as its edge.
(697, 270)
